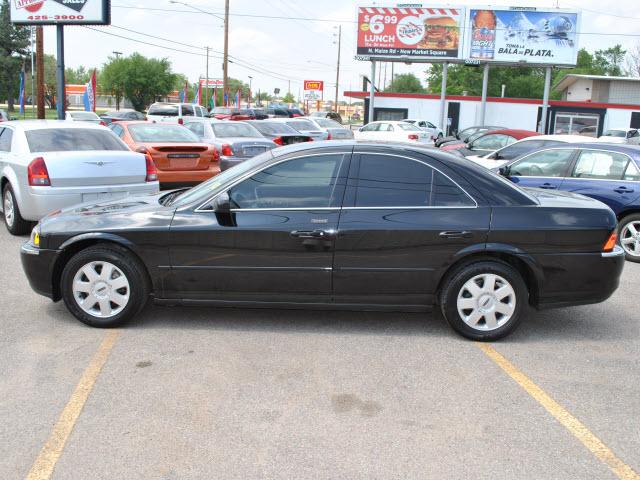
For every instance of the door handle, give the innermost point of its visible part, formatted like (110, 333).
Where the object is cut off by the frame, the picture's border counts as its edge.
(326, 234)
(623, 189)
(456, 234)
(548, 186)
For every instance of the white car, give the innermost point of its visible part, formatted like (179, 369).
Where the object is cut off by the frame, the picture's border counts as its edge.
(435, 132)
(335, 131)
(393, 131)
(46, 165)
(630, 136)
(81, 116)
(174, 112)
(505, 154)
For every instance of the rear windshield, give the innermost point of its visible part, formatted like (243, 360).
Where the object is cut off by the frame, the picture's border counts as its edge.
(70, 139)
(302, 125)
(224, 129)
(615, 133)
(327, 123)
(84, 116)
(162, 133)
(274, 128)
(221, 110)
(164, 110)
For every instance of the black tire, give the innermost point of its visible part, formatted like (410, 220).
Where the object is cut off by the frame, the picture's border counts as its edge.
(622, 226)
(17, 225)
(454, 286)
(134, 272)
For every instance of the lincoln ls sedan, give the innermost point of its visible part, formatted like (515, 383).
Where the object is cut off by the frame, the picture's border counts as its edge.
(350, 225)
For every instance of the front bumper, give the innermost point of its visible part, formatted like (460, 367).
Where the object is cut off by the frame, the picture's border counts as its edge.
(580, 279)
(38, 265)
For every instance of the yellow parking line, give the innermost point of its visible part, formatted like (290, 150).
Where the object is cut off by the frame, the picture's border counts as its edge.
(568, 421)
(48, 457)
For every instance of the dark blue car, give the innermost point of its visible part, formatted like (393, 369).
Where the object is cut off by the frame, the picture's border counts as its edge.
(607, 172)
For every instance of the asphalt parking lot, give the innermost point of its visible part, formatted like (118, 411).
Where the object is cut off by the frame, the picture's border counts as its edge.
(243, 394)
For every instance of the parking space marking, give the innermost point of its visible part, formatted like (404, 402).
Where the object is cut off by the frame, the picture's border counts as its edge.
(48, 457)
(571, 423)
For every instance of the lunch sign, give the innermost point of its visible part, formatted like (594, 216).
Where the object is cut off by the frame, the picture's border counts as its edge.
(61, 12)
(506, 35)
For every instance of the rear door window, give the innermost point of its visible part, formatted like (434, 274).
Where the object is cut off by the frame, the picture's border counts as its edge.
(6, 135)
(187, 111)
(601, 165)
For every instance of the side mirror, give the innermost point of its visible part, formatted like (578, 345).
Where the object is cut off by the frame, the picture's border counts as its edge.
(360, 129)
(505, 171)
(222, 203)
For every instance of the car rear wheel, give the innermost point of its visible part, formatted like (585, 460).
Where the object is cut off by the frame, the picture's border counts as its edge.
(485, 300)
(104, 286)
(629, 237)
(11, 213)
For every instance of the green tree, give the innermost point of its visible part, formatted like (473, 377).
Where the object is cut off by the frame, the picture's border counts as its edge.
(610, 60)
(289, 98)
(14, 41)
(262, 97)
(77, 76)
(141, 80)
(406, 83)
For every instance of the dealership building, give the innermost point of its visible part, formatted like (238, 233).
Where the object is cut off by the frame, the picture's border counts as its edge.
(590, 105)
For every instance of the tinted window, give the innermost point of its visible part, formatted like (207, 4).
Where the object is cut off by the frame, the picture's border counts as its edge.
(234, 129)
(197, 128)
(6, 135)
(386, 181)
(632, 174)
(519, 148)
(445, 193)
(599, 164)
(187, 111)
(156, 132)
(548, 163)
(274, 128)
(164, 110)
(306, 182)
(493, 142)
(70, 139)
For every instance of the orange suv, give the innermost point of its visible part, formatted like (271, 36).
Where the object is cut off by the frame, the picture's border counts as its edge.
(179, 155)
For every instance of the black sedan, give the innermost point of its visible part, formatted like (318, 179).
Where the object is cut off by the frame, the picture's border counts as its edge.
(334, 224)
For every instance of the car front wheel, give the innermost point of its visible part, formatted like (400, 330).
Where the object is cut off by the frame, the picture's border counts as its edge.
(104, 286)
(629, 235)
(485, 300)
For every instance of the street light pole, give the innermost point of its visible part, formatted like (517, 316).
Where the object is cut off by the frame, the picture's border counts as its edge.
(225, 65)
(338, 66)
(118, 96)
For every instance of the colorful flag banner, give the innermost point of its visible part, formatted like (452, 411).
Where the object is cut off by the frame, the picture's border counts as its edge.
(90, 94)
(22, 99)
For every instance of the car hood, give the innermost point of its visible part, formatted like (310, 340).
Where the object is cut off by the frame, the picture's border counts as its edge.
(127, 213)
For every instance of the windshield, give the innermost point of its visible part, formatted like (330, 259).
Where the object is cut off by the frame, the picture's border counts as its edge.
(164, 110)
(234, 129)
(155, 132)
(274, 128)
(70, 139)
(615, 133)
(212, 186)
(302, 125)
(327, 123)
(408, 127)
(84, 116)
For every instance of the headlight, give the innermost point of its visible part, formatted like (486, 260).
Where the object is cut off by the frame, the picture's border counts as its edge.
(35, 236)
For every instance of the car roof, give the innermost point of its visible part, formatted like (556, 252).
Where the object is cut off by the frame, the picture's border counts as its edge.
(44, 124)
(633, 150)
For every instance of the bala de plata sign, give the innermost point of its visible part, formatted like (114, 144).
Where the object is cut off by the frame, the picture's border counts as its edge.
(61, 12)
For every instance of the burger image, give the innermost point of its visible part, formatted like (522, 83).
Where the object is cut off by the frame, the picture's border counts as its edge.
(440, 32)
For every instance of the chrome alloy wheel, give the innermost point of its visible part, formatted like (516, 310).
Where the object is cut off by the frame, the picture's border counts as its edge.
(9, 212)
(101, 289)
(630, 238)
(486, 302)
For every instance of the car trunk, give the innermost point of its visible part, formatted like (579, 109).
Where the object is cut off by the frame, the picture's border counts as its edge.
(92, 168)
(340, 133)
(174, 156)
(247, 147)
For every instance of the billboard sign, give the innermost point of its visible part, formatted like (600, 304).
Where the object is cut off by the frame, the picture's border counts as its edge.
(522, 35)
(415, 31)
(61, 12)
(213, 83)
(313, 89)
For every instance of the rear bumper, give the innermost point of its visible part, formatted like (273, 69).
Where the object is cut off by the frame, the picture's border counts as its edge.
(579, 279)
(37, 202)
(186, 177)
(38, 266)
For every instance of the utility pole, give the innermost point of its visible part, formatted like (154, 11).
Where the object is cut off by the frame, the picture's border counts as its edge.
(32, 40)
(206, 90)
(40, 72)
(338, 66)
(225, 66)
(118, 95)
(249, 99)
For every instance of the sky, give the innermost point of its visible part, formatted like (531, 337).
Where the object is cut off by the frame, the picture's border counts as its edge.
(278, 51)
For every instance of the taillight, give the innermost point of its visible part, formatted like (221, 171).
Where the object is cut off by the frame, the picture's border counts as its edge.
(216, 155)
(152, 170)
(180, 121)
(329, 137)
(611, 242)
(309, 139)
(226, 150)
(278, 140)
(413, 136)
(103, 123)
(38, 174)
